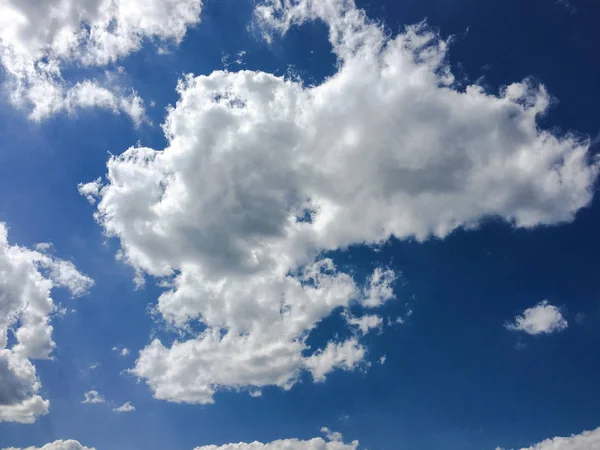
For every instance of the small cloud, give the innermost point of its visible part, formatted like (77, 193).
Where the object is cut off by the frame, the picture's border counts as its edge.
(344, 417)
(95, 366)
(126, 407)
(255, 393)
(579, 317)
(123, 351)
(382, 360)
(93, 397)
(542, 318)
(44, 246)
(91, 190)
(335, 436)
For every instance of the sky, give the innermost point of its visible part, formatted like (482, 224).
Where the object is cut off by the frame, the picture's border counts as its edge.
(299, 225)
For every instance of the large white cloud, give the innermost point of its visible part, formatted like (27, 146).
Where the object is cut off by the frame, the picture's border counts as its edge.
(56, 445)
(334, 442)
(542, 318)
(588, 440)
(263, 174)
(38, 40)
(26, 307)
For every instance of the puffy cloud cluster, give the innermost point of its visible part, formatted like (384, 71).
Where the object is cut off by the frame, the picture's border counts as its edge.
(26, 308)
(38, 40)
(588, 440)
(542, 318)
(92, 396)
(125, 407)
(334, 442)
(262, 175)
(57, 445)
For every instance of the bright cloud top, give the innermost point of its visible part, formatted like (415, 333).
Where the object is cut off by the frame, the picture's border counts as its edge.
(92, 397)
(125, 407)
(263, 174)
(334, 442)
(588, 440)
(57, 445)
(542, 318)
(26, 309)
(40, 39)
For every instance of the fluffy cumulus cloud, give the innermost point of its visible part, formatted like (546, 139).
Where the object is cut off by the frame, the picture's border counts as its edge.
(26, 309)
(588, 440)
(333, 442)
(125, 407)
(92, 397)
(542, 318)
(38, 40)
(262, 175)
(57, 445)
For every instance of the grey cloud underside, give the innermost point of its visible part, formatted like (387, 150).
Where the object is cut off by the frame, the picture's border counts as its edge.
(385, 147)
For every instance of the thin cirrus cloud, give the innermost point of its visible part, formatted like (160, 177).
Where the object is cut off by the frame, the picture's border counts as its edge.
(38, 40)
(262, 174)
(542, 318)
(27, 278)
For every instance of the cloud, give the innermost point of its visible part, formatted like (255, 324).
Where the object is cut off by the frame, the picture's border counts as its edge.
(365, 323)
(588, 440)
(334, 442)
(542, 318)
(90, 190)
(93, 397)
(332, 435)
(126, 407)
(27, 278)
(122, 351)
(39, 40)
(263, 175)
(56, 445)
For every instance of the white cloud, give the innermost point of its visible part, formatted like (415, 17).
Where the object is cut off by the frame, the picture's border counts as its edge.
(365, 323)
(542, 318)
(92, 396)
(90, 190)
(125, 407)
(332, 435)
(38, 39)
(334, 442)
(382, 360)
(57, 445)
(122, 351)
(588, 440)
(26, 308)
(385, 147)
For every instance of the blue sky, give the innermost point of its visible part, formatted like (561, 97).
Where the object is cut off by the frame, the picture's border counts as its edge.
(447, 213)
